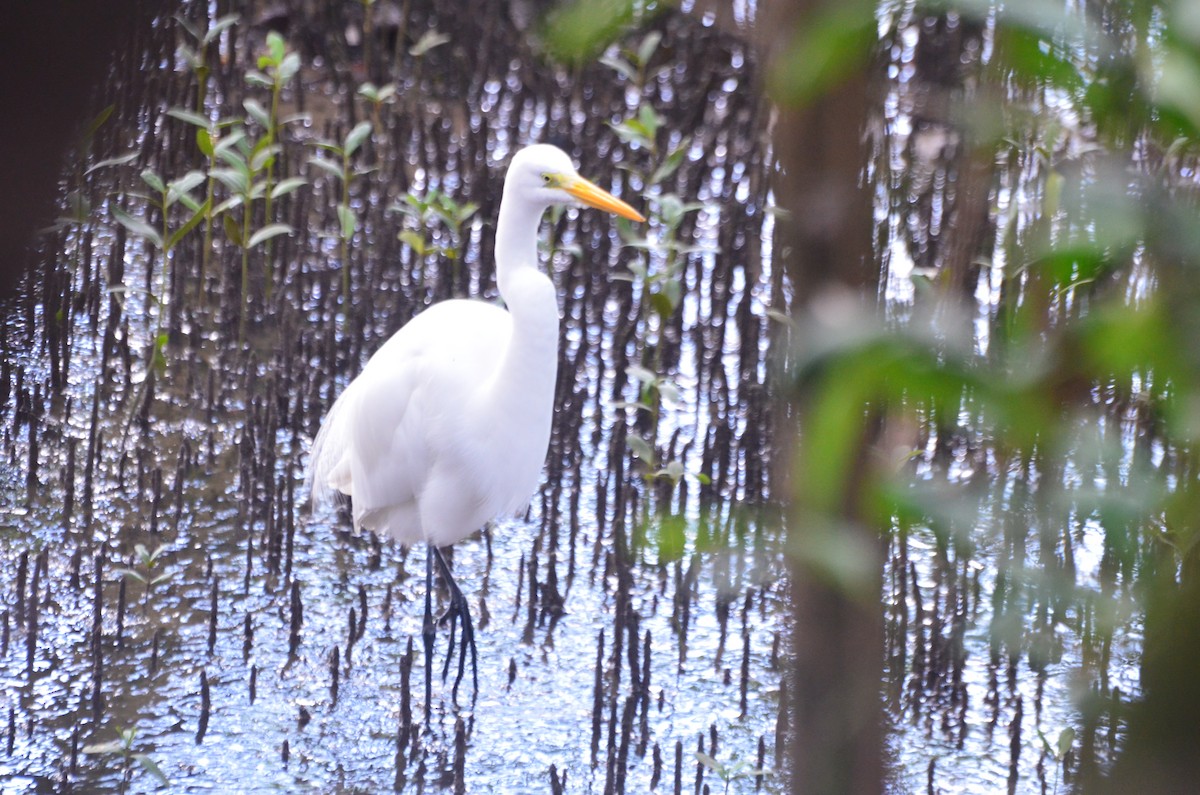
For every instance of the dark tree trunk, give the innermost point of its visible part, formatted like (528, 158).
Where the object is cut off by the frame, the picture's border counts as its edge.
(833, 706)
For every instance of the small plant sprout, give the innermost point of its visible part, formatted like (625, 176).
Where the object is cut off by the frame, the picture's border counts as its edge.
(377, 97)
(428, 41)
(164, 196)
(728, 773)
(1059, 750)
(341, 168)
(642, 131)
(208, 139)
(244, 174)
(436, 206)
(195, 52)
(662, 293)
(277, 67)
(632, 63)
(147, 563)
(122, 746)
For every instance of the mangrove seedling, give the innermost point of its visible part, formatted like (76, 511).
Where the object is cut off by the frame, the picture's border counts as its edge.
(342, 169)
(195, 52)
(278, 66)
(377, 97)
(147, 563)
(440, 207)
(122, 746)
(246, 164)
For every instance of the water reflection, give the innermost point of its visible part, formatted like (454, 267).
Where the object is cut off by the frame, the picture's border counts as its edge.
(184, 590)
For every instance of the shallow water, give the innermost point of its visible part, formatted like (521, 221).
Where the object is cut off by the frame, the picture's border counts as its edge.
(204, 462)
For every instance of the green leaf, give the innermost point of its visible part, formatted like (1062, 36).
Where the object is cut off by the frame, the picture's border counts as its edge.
(198, 216)
(227, 142)
(355, 137)
(138, 227)
(258, 79)
(646, 49)
(219, 25)
(235, 180)
(228, 204)
(671, 162)
(377, 94)
(276, 47)
(129, 573)
(673, 290)
(289, 67)
(1066, 738)
(708, 762)
(189, 116)
(292, 118)
(287, 186)
(348, 221)
(668, 392)
(327, 165)
(267, 232)
(257, 113)
(632, 132)
(621, 67)
(650, 120)
(673, 470)
(192, 57)
(642, 375)
(640, 448)
(662, 306)
(119, 160)
(264, 155)
(97, 122)
(151, 767)
(671, 537)
(234, 159)
(576, 31)
(835, 41)
(204, 142)
(232, 230)
(189, 201)
(159, 359)
(153, 180)
(110, 747)
(414, 241)
(178, 188)
(427, 42)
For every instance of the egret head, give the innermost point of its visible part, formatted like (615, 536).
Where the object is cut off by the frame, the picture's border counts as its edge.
(544, 174)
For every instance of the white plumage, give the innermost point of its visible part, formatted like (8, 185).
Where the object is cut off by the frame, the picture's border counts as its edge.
(448, 424)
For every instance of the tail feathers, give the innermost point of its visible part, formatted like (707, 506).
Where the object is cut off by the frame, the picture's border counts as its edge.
(329, 462)
(398, 522)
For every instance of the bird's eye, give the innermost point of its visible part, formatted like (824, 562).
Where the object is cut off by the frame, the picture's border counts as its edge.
(546, 179)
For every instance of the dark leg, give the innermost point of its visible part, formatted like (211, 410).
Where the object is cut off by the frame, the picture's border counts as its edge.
(427, 628)
(458, 610)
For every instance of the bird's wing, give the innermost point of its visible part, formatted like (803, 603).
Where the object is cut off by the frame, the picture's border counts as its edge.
(385, 433)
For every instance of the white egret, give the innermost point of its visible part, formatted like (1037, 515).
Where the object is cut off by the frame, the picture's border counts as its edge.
(448, 424)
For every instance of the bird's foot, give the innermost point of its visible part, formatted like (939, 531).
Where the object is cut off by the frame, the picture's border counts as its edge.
(459, 610)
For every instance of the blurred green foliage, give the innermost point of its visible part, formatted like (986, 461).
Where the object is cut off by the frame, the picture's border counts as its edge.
(1041, 378)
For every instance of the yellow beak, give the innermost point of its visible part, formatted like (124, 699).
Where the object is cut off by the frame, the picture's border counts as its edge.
(595, 196)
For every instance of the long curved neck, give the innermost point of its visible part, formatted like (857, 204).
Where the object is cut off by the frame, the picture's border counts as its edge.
(516, 239)
(529, 364)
